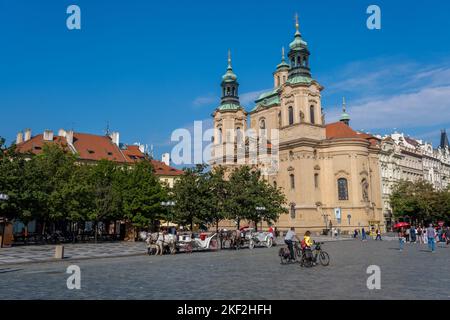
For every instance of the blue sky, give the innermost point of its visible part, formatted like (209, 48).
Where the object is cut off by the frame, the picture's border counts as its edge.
(150, 67)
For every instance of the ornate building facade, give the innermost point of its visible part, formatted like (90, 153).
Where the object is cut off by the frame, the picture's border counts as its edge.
(405, 158)
(328, 172)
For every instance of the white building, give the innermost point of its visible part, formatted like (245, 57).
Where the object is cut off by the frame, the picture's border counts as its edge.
(405, 158)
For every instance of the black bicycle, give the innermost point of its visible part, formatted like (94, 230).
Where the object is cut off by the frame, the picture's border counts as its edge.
(285, 255)
(310, 256)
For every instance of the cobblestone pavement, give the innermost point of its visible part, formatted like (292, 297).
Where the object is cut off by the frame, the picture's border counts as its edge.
(414, 273)
(39, 253)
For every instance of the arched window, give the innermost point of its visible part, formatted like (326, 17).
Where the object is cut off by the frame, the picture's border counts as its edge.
(316, 180)
(292, 210)
(275, 185)
(299, 61)
(342, 189)
(234, 92)
(291, 115)
(262, 123)
(238, 135)
(312, 115)
(228, 91)
(292, 181)
(219, 135)
(278, 81)
(284, 79)
(279, 119)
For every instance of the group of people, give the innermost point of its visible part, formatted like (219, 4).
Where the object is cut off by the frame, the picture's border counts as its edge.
(364, 234)
(422, 235)
(306, 243)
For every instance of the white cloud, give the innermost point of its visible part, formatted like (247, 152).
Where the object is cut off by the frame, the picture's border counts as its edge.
(205, 100)
(247, 99)
(387, 94)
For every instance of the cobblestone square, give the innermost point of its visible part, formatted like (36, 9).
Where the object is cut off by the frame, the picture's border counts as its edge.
(414, 273)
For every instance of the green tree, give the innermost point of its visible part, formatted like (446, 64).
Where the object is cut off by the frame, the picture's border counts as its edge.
(218, 191)
(142, 194)
(190, 193)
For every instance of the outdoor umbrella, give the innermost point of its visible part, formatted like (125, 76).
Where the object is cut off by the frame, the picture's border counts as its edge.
(401, 225)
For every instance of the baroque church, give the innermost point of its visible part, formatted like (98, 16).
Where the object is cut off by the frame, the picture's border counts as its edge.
(329, 173)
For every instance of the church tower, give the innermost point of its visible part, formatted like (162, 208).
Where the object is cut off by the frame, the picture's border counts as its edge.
(230, 120)
(281, 74)
(301, 108)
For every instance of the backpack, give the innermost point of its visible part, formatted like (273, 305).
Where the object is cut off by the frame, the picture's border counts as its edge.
(303, 244)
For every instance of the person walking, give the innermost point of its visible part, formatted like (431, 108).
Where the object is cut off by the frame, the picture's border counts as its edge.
(431, 235)
(447, 235)
(407, 233)
(401, 238)
(412, 233)
(419, 234)
(363, 235)
(378, 235)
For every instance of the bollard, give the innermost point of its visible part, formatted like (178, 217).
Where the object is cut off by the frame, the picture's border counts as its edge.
(59, 252)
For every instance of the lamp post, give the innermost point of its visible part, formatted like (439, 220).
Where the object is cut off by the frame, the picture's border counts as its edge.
(259, 210)
(169, 205)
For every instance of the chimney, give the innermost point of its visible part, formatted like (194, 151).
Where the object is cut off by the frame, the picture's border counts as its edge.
(69, 137)
(166, 158)
(62, 133)
(19, 138)
(115, 138)
(27, 134)
(48, 135)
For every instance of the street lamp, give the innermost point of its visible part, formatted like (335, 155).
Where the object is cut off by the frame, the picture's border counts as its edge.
(168, 205)
(259, 210)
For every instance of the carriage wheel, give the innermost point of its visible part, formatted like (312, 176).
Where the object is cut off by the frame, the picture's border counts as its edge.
(251, 244)
(269, 243)
(189, 248)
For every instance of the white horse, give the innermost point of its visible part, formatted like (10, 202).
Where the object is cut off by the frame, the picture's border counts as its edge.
(159, 242)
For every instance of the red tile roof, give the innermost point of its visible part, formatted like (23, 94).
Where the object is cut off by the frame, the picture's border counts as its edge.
(90, 147)
(339, 130)
(94, 148)
(161, 169)
(36, 143)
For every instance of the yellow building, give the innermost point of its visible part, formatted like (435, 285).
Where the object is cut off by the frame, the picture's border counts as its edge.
(328, 172)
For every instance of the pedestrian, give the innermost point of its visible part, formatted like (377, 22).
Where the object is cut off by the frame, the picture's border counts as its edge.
(289, 240)
(401, 238)
(419, 234)
(363, 235)
(431, 235)
(378, 235)
(355, 234)
(407, 233)
(424, 235)
(447, 235)
(413, 234)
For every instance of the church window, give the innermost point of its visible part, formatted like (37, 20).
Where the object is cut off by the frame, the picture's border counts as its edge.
(278, 81)
(234, 92)
(279, 119)
(262, 124)
(275, 184)
(292, 210)
(343, 189)
(316, 180)
(312, 115)
(219, 135)
(299, 63)
(292, 181)
(291, 115)
(284, 79)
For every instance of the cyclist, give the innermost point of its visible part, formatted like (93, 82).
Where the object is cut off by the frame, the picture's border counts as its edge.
(289, 240)
(307, 244)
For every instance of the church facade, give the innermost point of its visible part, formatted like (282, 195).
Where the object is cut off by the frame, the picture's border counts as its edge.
(329, 173)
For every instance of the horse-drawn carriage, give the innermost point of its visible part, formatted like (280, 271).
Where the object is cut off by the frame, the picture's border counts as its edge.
(189, 242)
(236, 239)
(159, 243)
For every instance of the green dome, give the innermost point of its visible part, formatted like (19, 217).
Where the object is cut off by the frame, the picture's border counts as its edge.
(229, 76)
(345, 116)
(229, 107)
(298, 42)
